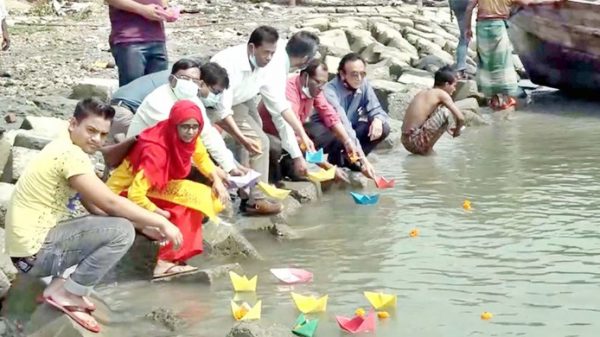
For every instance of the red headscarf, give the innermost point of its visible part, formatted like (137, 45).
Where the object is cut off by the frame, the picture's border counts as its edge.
(159, 151)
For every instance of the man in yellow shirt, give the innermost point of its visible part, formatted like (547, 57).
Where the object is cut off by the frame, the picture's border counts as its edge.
(42, 244)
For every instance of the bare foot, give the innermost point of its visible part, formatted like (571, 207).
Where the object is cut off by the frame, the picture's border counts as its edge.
(60, 297)
(58, 282)
(166, 268)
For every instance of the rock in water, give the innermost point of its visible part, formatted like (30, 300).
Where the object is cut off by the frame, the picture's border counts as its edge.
(257, 329)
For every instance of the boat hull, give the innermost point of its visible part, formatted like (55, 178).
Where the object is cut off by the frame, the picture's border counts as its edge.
(560, 47)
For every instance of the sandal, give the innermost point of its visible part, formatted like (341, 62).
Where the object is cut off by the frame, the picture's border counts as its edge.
(171, 271)
(69, 310)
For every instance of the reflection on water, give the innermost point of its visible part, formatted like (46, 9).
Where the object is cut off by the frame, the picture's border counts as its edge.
(528, 251)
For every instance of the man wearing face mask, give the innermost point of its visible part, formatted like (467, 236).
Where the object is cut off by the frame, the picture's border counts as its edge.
(353, 98)
(185, 83)
(304, 92)
(261, 67)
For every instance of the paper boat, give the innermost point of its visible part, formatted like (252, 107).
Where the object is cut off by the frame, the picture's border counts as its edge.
(249, 179)
(272, 191)
(365, 199)
(171, 14)
(244, 312)
(315, 157)
(381, 300)
(305, 327)
(310, 304)
(357, 323)
(242, 283)
(322, 175)
(383, 183)
(292, 275)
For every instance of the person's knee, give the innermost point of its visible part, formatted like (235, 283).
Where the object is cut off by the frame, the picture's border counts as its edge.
(124, 232)
(386, 129)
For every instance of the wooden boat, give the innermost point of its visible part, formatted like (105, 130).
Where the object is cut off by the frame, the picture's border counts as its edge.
(560, 45)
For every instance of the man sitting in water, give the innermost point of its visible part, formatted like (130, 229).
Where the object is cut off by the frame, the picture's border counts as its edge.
(427, 116)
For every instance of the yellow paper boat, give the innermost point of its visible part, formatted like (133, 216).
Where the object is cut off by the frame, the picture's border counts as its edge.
(244, 312)
(310, 304)
(381, 300)
(242, 283)
(322, 175)
(273, 192)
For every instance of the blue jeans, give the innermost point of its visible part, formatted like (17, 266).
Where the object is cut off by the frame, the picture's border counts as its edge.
(93, 243)
(135, 60)
(459, 7)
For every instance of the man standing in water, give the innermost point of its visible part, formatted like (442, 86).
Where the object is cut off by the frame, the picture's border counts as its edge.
(427, 116)
(459, 8)
(496, 75)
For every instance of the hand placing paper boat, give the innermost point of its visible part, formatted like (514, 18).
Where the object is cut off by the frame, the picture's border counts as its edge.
(245, 312)
(383, 183)
(242, 283)
(358, 323)
(381, 300)
(322, 175)
(292, 275)
(305, 327)
(247, 180)
(317, 157)
(310, 304)
(365, 199)
(272, 191)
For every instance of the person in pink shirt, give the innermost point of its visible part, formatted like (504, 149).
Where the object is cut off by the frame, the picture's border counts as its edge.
(137, 37)
(304, 92)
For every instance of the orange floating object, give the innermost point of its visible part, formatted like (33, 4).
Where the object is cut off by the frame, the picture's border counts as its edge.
(414, 233)
(383, 314)
(360, 312)
(486, 315)
(467, 205)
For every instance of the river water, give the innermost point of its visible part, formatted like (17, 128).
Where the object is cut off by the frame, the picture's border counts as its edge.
(528, 252)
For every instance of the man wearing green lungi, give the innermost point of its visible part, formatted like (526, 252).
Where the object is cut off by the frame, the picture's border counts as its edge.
(496, 75)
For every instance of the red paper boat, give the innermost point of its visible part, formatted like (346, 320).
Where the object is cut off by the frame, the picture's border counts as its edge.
(357, 323)
(382, 183)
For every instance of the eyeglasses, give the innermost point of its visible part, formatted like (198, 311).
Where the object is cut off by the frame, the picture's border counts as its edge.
(185, 77)
(215, 91)
(188, 127)
(357, 75)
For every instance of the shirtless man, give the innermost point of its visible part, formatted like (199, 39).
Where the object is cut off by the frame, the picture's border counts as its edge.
(427, 116)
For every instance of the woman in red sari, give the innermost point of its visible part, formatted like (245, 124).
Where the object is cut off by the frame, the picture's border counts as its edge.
(153, 176)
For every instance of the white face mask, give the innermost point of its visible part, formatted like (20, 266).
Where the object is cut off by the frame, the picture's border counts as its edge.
(305, 89)
(185, 89)
(211, 100)
(252, 59)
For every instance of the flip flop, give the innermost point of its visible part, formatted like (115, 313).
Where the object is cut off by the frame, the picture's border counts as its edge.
(41, 299)
(168, 272)
(70, 309)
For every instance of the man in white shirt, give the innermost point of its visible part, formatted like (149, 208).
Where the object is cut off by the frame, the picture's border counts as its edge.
(185, 83)
(261, 67)
(3, 28)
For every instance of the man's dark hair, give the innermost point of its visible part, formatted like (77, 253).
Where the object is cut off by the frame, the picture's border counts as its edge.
(93, 106)
(444, 75)
(302, 44)
(351, 57)
(312, 66)
(213, 74)
(263, 34)
(184, 64)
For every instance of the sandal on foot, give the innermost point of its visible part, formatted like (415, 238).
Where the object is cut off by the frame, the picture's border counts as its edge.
(69, 310)
(171, 271)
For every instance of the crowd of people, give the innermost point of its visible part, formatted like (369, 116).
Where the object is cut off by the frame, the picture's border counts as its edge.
(171, 163)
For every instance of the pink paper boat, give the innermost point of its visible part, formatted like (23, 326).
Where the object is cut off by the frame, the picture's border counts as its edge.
(292, 275)
(171, 14)
(357, 323)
